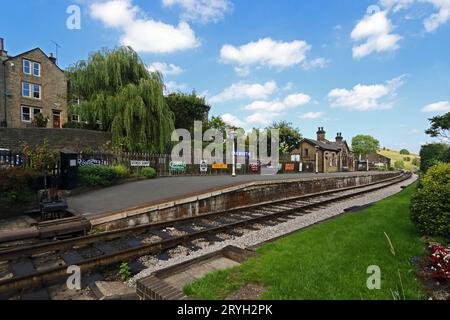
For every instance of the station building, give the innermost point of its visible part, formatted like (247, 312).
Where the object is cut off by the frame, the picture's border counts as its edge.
(324, 156)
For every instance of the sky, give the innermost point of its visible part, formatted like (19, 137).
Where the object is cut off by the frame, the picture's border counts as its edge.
(378, 67)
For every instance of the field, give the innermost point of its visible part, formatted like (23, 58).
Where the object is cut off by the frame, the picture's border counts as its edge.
(331, 260)
(396, 156)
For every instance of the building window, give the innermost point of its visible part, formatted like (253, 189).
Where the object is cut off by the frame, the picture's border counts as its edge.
(36, 91)
(306, 152)
(36, 69)
(75, 118)
(25, 114)
(26, 90)
(28, 113)
(31, 90)
(26, 67)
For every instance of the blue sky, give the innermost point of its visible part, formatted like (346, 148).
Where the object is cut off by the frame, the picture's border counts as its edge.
(356, 67)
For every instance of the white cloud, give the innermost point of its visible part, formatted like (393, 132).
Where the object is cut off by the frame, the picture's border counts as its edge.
(432, 22)
(165, 69)
(261, 118)
(315, 63)
(141, 33)
(242, 71)
(375, 30)
(233, 120)
(366, 97)
(442, 106)
(201, 10)
(173, 86)
(312, 115)
(242, 91)
(266, 52)
(296, 100)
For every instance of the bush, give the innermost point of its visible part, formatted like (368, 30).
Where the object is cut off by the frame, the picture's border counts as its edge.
(100, 175)
(148, 173)
(398, 165)
(17, 179)
(407, 159)
(430, 206)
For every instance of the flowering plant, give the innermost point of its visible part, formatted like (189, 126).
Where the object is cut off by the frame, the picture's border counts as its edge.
(440, 263)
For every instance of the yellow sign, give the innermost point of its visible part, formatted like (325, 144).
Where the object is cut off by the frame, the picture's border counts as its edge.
(221, 166)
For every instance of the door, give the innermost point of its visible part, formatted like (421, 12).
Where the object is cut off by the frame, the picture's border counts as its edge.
(56, 119)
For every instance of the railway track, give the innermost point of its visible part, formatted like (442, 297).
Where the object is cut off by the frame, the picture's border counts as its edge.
(38, 265)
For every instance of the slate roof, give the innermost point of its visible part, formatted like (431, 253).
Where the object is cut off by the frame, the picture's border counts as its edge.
(324, 146)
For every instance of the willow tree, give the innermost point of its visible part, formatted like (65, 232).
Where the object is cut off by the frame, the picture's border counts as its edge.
(117, 92)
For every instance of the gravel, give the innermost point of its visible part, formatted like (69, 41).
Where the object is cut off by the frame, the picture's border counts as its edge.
(266, 233)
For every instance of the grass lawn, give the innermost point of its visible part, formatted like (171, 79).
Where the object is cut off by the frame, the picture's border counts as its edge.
(330, 260)
(396, 156)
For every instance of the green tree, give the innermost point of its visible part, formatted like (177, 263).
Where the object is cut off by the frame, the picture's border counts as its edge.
(440, 127)
(431, 154)
(364, 144)
(404, 152)
(290, 137)
(118, 94)
(399, 165)
(188, 108)
(416, 162)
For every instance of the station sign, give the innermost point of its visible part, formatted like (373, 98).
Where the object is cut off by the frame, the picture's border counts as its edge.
(220, 166)
(140, 163)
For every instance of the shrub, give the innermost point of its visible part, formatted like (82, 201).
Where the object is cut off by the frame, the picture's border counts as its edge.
(149, 173)
(398, 165)
(17, 179)
(430, 205)
(407, 159)
(100, 175)
(122, 171)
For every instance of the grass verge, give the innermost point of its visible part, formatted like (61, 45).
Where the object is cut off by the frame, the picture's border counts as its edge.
(331, 260)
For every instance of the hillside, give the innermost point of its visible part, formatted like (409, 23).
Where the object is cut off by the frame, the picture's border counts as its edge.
(396, 156)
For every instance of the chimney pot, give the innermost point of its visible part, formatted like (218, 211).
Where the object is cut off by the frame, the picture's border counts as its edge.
(2, 44)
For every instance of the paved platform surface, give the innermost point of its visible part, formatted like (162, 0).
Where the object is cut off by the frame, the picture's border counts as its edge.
(143, 192)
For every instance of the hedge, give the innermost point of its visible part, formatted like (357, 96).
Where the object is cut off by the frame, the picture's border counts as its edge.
(430, 206)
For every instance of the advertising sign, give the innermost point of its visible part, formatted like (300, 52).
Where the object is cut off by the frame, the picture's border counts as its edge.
(289, 167)
(220, 166)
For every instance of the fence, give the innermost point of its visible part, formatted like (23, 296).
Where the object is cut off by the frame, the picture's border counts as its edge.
(162, 163)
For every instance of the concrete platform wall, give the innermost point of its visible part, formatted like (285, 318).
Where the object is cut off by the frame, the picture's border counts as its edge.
(230, 198)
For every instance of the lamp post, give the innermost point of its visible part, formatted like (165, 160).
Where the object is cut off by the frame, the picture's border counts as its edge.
(233, 135)
(317, 160)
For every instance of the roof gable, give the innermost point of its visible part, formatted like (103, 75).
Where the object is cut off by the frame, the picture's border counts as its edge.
(39, 50)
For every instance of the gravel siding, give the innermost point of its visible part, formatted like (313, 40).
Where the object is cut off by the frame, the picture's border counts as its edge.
(253, 238)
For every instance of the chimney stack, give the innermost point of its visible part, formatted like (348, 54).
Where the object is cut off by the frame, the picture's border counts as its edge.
(3, 52)
(339, 137)
(52, 58)
(321, 134)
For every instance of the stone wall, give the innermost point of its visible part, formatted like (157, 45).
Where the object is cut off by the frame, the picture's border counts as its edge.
(75, 139)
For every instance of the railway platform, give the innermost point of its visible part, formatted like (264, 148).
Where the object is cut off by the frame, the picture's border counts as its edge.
(161, 190)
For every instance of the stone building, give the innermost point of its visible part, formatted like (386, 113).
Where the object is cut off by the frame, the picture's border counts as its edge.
(31, 83)
(322, 155)
(375, 160)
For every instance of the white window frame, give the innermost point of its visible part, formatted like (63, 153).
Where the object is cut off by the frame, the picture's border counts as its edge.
(22, 113)
(31, 90)
(31, 113)
(40, 91)
(29, 67)
(39, 69)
